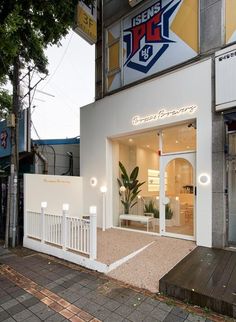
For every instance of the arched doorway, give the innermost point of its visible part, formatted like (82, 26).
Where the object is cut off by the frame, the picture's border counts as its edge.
(177, 195)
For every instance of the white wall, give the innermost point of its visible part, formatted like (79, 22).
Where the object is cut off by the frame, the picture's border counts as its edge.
(55, 190)
(111, 117)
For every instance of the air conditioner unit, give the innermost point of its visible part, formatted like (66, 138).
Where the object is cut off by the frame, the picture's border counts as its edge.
(133, 3)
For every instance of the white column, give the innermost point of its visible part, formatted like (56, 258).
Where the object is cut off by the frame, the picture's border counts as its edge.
(65, 208)
(43, 207)
(103, 190)
(93, 232)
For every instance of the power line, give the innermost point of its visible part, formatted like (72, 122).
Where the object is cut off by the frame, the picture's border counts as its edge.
(59, 64)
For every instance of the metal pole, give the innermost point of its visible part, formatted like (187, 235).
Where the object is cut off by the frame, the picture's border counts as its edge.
(14, 153)
(15, 217)
(8, 212)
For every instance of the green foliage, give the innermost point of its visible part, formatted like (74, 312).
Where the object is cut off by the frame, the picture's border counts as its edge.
(131, 184)
(28, 27)
(150, 208)
(169, 212)
(5, 103)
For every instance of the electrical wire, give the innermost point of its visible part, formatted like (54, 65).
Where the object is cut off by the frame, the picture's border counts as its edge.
(60, 62)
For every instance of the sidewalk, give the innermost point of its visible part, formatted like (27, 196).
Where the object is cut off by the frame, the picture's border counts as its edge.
(35, 287)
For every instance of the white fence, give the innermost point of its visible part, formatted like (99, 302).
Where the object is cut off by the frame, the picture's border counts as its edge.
(61, 230)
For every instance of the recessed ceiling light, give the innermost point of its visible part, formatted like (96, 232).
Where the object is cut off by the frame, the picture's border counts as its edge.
(131, 140)
(176, 141)
(148, 146)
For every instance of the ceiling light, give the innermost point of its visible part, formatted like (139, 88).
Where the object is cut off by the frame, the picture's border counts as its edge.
(148, 146)
(176, 141)
(131, 140)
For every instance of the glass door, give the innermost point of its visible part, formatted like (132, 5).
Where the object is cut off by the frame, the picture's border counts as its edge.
(177, 195)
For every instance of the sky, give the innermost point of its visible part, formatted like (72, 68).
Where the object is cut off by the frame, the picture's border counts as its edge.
(70, 85)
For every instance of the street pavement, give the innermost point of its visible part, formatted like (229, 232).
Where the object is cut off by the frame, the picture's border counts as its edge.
(36, 287)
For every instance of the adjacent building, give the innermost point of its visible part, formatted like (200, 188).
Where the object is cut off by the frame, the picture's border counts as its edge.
(165, 102)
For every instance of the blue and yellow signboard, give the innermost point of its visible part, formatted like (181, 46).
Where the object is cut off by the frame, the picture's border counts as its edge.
(156, 36)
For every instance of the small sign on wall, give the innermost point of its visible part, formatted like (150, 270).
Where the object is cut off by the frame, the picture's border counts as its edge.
(225, 78)
(86, 21)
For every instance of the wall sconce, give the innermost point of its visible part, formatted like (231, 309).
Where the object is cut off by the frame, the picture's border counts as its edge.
(204, 179)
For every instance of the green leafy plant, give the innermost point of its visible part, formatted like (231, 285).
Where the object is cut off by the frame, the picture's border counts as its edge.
(150, 208)
(129, 187)
(169, 212)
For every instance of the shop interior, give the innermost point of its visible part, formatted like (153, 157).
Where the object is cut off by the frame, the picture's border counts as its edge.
(145, 150)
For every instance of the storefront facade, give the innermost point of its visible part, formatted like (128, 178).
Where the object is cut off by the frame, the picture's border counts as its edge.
(160, 106)
(178, 99)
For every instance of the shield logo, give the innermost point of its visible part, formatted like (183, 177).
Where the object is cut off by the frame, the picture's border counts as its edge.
(149, 37)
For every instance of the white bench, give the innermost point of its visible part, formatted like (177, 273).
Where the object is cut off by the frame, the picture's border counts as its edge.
(142, 219)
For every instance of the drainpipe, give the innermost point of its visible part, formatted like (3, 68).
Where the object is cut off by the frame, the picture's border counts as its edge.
(43, 158)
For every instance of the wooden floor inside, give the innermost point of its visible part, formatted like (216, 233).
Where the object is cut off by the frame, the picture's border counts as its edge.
(206, 277)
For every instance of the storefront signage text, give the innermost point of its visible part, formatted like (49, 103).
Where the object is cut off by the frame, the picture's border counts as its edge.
(162, 114)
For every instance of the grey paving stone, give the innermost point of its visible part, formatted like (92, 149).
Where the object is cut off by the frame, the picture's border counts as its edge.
(9, 320)
(37, 307)
(24, 297)
(179, 312)
(159, 314)
(16, 309)
(4, 315)
(100, 299)
(145, 307)
(55, 318)
(57, 289)
(113, 317)
(5, 299)
(9, 304)
(23, 315)
(124, 310)
(33, 318)
(165, 307)
(82, 291)
(151, 319)
(137, 316)
(17, 293)
(111, 305)
(173, 318)
(44, 314)
(152, 301)
(135, 300)
(30, 302)
(82, 302)
(102, 313)
(91, 307)
(195, 318)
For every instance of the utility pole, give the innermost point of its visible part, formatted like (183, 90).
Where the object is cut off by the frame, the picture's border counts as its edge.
(14, 168)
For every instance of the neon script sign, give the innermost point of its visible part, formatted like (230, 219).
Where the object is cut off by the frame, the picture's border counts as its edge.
(162, 114)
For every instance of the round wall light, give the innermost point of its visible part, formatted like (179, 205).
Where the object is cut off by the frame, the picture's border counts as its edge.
(93, 182)
(204, 179)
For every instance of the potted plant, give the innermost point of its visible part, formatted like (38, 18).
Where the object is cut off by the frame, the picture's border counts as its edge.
(129, 187)
(150, 208)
